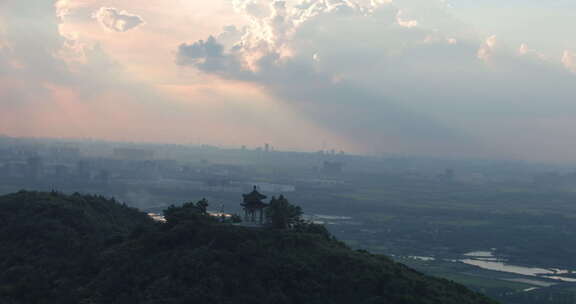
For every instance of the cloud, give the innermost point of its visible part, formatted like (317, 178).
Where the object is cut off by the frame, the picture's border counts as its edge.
(62, 8)
(253, 8)
(396, 76)
(488, 48)
(294, 52)
(405, 23)
(116, 20)
(569, 60)
(202, 53)
(31, 39)
(525, 50)
(402, 76)
(209, 56)
(49, 83)
(56, 82)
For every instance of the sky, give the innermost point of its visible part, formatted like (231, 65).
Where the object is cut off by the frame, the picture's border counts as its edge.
(453, 78)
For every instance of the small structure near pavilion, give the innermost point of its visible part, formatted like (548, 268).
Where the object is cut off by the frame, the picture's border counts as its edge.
(254, 206)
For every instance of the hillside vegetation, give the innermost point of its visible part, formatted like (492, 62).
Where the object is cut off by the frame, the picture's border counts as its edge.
(56, 248)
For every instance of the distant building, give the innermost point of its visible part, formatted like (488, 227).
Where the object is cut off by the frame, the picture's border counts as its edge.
(34, 167)
(217, 181)
(332, 167)
(447, 175)
(61, 171)
(64, 152)
(83, 170)
(133, 154)
(277, 188)
(103, 177)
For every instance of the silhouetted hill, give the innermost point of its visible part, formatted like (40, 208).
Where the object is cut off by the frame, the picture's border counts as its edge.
(49, 242)
(84, 249)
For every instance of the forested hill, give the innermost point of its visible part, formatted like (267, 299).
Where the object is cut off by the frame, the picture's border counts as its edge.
(64, 249)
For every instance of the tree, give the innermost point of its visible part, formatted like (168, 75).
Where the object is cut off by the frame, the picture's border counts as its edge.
(188, 211)
(202, 206)
(235, 218)
(281, 214)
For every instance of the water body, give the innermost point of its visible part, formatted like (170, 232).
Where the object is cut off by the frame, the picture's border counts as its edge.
(486, 260)
(332, 217)
(423, 258)
(538, 283)
(322, 219)
(480, 254)
(157, 217)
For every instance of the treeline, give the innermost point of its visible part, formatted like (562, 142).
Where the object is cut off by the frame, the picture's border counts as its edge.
(56, 248)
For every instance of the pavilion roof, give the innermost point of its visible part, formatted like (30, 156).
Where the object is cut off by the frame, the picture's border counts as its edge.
(254, 195)
(254, 199)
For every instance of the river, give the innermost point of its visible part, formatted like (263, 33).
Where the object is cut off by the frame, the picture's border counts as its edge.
(487, 260)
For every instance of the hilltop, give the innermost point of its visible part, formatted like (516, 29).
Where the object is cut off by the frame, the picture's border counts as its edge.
(57, 248)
